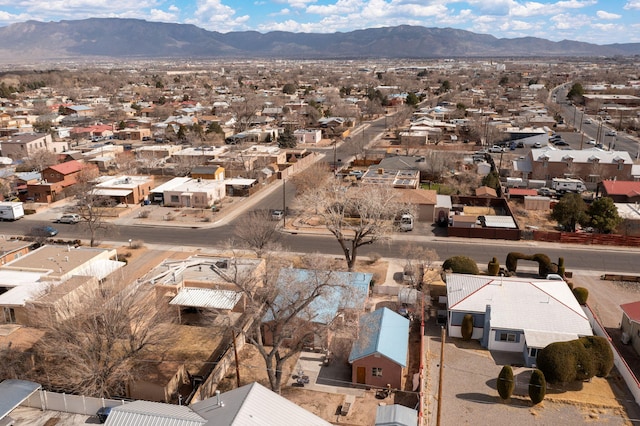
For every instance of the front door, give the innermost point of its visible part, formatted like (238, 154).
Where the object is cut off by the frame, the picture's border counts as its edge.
(361, 374)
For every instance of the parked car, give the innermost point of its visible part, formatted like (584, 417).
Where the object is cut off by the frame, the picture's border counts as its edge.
(277, 214)
(591, 142)
(561, 142)
(43, 231)
(546, 192)
(588, 121)
(103, 414)
(69, 218)
(611, 133)
(496, 148)
(537, 145)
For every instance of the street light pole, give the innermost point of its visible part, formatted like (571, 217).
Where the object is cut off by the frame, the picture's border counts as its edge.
(284, 203)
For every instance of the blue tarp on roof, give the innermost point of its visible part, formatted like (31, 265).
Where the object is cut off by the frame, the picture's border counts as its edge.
(348, 290)
(382, 332)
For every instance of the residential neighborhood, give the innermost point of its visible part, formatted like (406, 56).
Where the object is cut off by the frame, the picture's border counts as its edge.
(320, 242)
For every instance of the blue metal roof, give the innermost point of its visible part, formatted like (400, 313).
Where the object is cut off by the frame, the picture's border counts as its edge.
(349, 290)
(382, 332)
(13, 393)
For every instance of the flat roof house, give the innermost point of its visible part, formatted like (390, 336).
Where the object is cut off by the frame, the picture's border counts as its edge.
(515, 314)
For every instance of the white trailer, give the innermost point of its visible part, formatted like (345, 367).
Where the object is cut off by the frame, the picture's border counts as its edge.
(11, 210)
(568, 185)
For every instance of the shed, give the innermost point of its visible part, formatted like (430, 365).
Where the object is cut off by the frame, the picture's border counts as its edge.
(379, 354)
(537, 202)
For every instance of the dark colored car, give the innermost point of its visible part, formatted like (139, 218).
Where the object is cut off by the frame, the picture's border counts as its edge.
(103, 413)
(43, 231)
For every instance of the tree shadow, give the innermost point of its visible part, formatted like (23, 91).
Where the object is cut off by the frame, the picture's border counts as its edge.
(481, 398)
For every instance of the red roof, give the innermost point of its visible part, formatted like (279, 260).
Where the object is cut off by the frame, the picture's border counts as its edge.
(522, 192)
(621, 187)
(67, 167)
(632, 310)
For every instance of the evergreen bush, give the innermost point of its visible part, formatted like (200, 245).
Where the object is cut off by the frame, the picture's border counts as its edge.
(461, 265)
(537, 387)
(505, 383)
(493, 268)
(581, 294)
(466, 328)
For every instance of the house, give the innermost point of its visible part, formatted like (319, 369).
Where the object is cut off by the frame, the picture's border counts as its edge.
(208, 172)
(515, 314)
(630, 324)
(620, 191)
(251, 404)
(23, 145)
(307, 136)
(125, 189)
(198, 193)
(40, 272)
(590, 165)
(424, 200)
(56, 179)
(407, 179)
(379, 354)
(344, 298)
(13, 249)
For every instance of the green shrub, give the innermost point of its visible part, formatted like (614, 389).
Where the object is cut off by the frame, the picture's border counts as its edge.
(493, 268)
(563, 362)
(505, 383)
(537, 387)
(581, 294)
(512, 260)
(561, 266)
(601, 354)
(466, 328)
(545, 266)
(461, 265)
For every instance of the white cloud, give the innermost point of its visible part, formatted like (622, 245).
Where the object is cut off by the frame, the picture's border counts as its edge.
(514, 25)
(281, 12)
(296, 4)
(632, 4)
(215, 16)
(606, 15)
(162, 16)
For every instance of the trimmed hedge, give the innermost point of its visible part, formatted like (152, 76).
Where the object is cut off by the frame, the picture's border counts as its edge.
(537, 387)
(580, 359)
(493, 268)
(466, 328)
(581, 294)
(505, 383)
(461, 265)
(545, 266)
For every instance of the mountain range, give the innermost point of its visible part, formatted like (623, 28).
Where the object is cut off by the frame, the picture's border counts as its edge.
(133, 38)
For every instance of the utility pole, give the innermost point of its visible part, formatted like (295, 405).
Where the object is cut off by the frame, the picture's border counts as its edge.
(284, 203)
(440, 379)
(235, 354)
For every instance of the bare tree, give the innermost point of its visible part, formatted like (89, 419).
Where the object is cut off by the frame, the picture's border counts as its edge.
(259, 232)
(417, 261)
(311, 177)
(287, 310)
(40, 160)
(91, 206)
(245, 110)
(94, 344)
(358, 216)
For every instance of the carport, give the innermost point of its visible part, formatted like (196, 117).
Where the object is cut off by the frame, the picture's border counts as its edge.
(13, 393)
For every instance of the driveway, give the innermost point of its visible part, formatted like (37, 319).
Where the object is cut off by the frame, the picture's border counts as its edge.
(469, 394)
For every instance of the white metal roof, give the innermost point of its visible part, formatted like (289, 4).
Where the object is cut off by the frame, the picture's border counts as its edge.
(173, 183)
(239, 181)
(254, 404)
(540, 339)
(19, 295)
(545, 306)
(500, 222)
(143, 413)
(206, 298)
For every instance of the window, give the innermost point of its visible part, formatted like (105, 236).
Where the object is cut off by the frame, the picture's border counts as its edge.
(533, 352)
(507, 337)
(175, 199)
(376, 372)
(620, 165)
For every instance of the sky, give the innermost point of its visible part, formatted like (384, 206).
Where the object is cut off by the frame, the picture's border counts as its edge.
(593, 21)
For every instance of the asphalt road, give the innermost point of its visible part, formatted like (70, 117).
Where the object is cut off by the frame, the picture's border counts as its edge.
(585, 258)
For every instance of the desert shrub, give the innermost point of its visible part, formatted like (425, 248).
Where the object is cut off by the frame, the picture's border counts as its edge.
(601, 354)
(581, 294)
(144, 214)
(537, 387)
(137, 244)
(374, 257)
(466, 328)
(461, 265)
(493, 268)
(505, 383)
